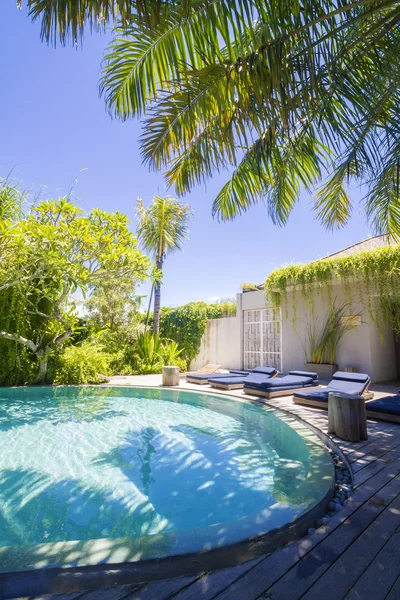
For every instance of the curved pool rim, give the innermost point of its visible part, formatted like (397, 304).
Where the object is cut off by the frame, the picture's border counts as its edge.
(82, 565)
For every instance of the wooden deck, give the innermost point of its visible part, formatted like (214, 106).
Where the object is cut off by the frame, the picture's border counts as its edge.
(356, 556)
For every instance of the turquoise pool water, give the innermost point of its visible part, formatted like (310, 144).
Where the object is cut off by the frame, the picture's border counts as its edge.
(108, 463)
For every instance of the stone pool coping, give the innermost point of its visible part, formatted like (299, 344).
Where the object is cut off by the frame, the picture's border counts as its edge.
(77, 565)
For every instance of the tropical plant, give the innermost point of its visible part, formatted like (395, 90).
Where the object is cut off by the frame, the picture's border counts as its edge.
(148, 351)
(12, 200)
(82, 364)
(170, 352)
(323, 341)
(162, 228)
(48, 256)
(285, 91)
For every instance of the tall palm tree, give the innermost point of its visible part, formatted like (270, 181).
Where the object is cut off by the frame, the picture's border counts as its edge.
(162, 228)
(285, 92)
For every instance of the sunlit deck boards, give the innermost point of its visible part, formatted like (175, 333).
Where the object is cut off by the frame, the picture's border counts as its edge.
(356, 556)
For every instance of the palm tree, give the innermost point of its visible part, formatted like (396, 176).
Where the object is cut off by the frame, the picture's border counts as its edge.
(284, 92)
(162, 228)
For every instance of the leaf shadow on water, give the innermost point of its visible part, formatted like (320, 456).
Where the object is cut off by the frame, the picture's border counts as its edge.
(197, 476)
(200, 475)
(27, 406)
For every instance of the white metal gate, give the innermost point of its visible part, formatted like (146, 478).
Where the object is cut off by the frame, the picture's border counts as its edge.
(262, 338)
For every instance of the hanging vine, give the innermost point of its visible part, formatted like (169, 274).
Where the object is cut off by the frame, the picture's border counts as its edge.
(374, 274)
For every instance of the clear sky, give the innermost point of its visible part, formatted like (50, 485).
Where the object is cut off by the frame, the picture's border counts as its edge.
(53, 124)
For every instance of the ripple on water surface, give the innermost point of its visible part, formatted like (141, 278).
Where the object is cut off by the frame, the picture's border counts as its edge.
(87, 463)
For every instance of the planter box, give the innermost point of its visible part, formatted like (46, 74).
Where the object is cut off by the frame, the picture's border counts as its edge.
(325, 372)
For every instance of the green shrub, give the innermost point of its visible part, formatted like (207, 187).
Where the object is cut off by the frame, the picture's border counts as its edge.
(148, 353)
(81, 364)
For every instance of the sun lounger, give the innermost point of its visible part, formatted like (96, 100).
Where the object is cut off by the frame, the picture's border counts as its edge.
(281, 386)
(207, 369)
(235, 383)
(348, 383)
(203, 379)
(384, 409)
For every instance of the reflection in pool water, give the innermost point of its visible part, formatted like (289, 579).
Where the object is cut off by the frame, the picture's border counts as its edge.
(88, 463)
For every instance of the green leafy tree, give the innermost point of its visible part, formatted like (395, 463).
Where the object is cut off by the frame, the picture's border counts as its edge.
(114, 308)
(52, 256)
(162, 228)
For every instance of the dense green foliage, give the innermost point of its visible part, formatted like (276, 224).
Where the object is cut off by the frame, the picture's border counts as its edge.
(69, 312)
(186, 324)
(371, 278)
(47, 258)
(82, 364)
(16, 362)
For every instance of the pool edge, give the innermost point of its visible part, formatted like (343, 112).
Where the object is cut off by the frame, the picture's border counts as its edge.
(78, 578)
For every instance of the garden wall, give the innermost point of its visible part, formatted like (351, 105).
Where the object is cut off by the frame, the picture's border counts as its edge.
(220, 344)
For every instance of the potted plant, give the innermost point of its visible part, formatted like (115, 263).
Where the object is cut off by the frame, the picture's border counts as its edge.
(323, 342)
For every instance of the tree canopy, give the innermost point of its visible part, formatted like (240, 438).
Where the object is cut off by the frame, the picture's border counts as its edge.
(55, 254)
(290, 94)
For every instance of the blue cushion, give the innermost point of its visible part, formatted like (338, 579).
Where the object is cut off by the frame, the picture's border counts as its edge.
(356, 377)
(206, 377)
(348, 387)
(288, 381)
(304, 374)
(320, 395)
(227, 380)
(388, 404)
(258, 378)
(266, 370)
(279, 388)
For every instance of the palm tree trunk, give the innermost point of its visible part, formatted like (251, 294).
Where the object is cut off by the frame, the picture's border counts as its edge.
(149, 306)
(157, 301)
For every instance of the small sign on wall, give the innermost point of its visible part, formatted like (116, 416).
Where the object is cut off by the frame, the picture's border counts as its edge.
(351, 320)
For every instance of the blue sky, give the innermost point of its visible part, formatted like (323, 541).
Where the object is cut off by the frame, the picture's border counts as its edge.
(53, 125)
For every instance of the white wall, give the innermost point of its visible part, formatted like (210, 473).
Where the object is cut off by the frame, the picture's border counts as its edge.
(221, 344)
(253, 300)
(361, 347)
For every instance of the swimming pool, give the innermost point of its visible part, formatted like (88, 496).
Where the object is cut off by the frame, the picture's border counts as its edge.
(95, 475)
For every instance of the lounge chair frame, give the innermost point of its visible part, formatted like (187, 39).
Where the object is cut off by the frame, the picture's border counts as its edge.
(378, 416)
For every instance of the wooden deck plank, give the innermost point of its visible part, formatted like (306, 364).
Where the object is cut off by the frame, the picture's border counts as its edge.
(161, 590)
(340, 578)
(70, 596)
(377, 581)
(394, 593)
(211, 584)
(278, 563)
(303, 575)
(373, 468)
(116, 593)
